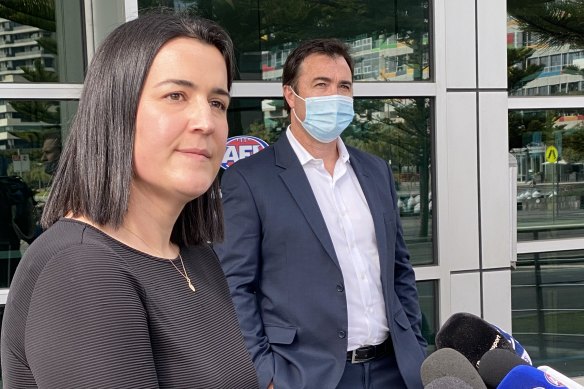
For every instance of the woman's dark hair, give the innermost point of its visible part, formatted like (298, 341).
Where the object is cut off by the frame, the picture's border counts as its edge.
(95, 169)
(327, 46)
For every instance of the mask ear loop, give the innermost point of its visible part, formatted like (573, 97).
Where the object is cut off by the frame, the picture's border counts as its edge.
(293, 110)
(296, 94)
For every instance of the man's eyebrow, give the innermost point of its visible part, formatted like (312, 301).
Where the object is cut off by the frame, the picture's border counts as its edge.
(322, 78)
(190, 85)
(329, 80)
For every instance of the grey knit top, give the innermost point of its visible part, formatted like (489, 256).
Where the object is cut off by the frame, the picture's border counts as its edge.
(86, 311)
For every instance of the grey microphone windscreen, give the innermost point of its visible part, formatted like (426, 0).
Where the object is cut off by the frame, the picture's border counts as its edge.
(447, 362)
(448, 383)
(496, 364)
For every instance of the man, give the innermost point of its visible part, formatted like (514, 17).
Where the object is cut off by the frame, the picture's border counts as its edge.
(51, 152)
(314, 251)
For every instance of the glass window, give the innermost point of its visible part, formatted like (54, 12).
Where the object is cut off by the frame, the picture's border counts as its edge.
(549, 148)
(548, 56)
(428, 296)
(39, 44)
(31, 135)
(548, 309)
(376, 31)
(397, 130)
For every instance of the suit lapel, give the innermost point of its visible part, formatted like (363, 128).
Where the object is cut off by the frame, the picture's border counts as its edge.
(297, 183)
(374, 201)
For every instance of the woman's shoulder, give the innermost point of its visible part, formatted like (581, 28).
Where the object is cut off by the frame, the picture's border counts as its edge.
(69, 237)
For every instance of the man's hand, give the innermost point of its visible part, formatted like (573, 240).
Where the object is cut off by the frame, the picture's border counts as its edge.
(271, 385)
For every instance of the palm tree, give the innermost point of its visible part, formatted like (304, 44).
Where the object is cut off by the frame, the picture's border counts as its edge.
(36, 13)
(553, 22)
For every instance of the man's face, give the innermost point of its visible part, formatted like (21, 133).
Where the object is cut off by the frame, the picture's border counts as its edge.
(320, 75)
(51, 152)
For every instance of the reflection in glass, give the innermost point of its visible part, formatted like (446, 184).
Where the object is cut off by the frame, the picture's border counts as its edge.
(389, 40)
(428, 297)
(31, 137)
(548, 309)
(39, 44)
(549, 148)
(545, 41)
(397, 130)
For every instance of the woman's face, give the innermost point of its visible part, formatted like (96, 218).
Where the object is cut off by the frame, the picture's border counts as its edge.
(181, 123)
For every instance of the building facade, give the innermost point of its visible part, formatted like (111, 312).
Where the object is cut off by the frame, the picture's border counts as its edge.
(492, 221)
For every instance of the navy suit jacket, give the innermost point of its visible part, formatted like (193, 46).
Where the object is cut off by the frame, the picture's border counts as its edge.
(285, 278)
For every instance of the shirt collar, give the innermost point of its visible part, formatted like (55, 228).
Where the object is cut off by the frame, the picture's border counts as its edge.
(305, 157)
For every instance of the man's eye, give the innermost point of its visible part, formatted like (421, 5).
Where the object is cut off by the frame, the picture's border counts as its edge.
(219, 104)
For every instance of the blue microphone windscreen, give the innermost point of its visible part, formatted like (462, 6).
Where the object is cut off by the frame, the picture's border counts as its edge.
(519, 349)
(528, 377)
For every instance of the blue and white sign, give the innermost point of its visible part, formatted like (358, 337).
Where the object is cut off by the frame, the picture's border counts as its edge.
(240, 147)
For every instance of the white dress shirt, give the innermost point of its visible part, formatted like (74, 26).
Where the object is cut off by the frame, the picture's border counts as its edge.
(350, 225)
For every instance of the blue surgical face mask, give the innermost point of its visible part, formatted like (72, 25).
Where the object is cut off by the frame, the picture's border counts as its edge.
(326, 116)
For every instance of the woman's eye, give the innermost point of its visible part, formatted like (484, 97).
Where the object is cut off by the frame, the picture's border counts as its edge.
(175, 96)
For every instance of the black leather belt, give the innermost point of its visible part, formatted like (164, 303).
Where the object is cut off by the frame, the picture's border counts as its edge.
(368, 353)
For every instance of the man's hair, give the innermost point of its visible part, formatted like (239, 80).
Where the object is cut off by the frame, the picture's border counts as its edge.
(331, 47)
(55, 136)
(95, 174)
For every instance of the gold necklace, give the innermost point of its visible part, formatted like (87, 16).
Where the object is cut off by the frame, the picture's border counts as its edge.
(185, 274)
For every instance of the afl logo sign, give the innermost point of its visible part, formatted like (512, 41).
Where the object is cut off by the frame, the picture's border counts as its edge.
(240, 147)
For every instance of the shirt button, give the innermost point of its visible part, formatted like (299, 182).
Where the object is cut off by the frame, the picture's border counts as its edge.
(342, 334)
(340, 288)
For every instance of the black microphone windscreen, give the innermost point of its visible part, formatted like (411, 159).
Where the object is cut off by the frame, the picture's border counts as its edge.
(447, 362)
(496, 364)
(448, 383)
(471, 336)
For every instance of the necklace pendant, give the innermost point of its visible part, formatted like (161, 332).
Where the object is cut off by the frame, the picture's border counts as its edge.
(191, 285)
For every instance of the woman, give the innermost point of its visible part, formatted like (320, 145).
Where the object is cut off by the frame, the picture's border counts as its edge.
(123, 289)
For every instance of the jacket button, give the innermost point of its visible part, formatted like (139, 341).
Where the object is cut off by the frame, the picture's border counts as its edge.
(340, 288)
(342, 334)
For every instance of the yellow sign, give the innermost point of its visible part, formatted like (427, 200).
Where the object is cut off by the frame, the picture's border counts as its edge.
(551, 154)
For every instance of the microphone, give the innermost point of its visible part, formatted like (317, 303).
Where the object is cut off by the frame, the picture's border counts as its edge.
(519, 349)
(560, 377)
(471, 336)
(448, 383)
(496, 364)
(447, 362)
(528, 377)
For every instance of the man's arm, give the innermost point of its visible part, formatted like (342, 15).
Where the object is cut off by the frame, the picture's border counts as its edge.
(405, 278)
(240, 256)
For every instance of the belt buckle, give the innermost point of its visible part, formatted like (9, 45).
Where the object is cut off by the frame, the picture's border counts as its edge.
(360, 360)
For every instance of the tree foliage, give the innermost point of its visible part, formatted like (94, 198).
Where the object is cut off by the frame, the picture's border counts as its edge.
(519, 72)
(573, 145)
(36, 13)
(554, 22)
